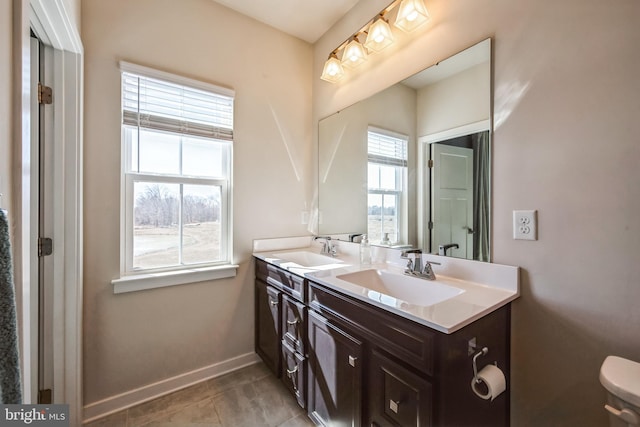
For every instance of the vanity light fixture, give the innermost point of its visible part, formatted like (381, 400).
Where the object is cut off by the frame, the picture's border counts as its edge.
(354, 53)
(410, 15)
(379, 35)
(333, 70)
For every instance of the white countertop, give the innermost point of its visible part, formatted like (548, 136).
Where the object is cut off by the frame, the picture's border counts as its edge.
(486, 286)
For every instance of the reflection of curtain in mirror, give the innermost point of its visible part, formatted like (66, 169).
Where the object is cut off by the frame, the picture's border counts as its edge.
(481, 196)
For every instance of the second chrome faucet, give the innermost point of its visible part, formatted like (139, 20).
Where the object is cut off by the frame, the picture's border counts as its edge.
(414, 266)
(327, 247)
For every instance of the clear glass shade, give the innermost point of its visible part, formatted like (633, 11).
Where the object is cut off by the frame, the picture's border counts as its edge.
(411, 14)
(333, 70)
(354, 54)
(379, 35)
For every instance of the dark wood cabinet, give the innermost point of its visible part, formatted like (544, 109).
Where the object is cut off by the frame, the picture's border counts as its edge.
(353, 364)
(267, 325)
(397, 396)
(335, 374)
(281, 326)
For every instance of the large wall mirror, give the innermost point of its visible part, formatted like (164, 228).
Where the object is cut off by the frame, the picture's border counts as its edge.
(411, 164)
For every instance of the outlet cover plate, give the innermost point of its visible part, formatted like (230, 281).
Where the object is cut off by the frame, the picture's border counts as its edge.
(525, 225)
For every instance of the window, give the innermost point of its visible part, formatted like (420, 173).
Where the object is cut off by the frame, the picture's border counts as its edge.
(176, 172)
(387, 170)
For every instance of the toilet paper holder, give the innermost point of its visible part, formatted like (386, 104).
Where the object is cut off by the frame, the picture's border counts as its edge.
(482, 352)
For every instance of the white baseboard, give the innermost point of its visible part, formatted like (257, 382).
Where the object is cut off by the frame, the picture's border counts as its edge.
(110, 405)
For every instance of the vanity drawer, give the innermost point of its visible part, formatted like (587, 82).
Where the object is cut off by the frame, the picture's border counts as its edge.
(402, 338)
(294, 373)
(293, 323)
(281, 279)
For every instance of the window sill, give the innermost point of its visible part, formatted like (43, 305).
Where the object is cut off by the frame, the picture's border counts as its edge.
(141, 282)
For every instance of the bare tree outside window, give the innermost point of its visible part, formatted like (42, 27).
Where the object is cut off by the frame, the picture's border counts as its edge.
(170, 229)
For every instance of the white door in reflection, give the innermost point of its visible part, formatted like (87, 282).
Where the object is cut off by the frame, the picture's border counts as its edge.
(452, 199)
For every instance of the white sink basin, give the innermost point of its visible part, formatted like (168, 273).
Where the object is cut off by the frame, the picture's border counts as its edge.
(306, 259)
(406, 288)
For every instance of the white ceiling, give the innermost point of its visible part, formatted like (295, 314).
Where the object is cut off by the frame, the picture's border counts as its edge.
(305, 19)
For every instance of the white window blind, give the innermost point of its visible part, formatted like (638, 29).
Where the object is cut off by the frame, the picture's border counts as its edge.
(165, 106)
(386, 149)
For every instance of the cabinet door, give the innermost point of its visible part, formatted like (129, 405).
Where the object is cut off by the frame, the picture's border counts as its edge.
(334, 374)
(397, 396)
(293, 323)
(267, 340)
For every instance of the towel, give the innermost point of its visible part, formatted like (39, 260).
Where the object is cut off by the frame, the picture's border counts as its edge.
(10, 389)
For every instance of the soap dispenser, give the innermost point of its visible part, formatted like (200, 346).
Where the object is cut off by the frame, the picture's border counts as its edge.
(365, 251)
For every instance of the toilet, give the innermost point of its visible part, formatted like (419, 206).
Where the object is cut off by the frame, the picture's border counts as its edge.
(621, 378)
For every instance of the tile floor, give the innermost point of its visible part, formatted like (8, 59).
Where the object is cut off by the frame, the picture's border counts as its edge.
(249, 397)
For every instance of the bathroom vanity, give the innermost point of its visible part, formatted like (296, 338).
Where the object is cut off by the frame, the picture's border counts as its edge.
(352, 355)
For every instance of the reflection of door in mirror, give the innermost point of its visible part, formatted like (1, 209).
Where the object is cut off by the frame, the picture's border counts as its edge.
(452, 200)
(459, 188)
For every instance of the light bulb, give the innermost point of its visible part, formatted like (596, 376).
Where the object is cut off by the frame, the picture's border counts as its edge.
(332, 71)
(379, 35)
(354, 54)
(411, 14)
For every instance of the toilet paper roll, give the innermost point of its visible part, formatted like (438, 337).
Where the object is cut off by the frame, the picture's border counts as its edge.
(492, 383)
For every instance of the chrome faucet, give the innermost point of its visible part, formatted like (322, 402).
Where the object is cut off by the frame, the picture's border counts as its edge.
(327, 247)
(414, 267)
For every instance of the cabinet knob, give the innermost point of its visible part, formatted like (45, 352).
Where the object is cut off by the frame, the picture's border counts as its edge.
(273, 303)
(393, 405)
(352, 360)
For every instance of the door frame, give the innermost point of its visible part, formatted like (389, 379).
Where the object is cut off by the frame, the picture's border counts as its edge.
(424, 174)
(52, 23)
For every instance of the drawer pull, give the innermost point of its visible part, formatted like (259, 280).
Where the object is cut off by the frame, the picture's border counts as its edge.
(292, 371)
(293, 322)
(352, 360)
(627, 415)
(273, 303)
(393, 405)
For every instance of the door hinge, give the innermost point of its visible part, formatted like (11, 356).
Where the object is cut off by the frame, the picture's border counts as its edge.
(45, 94)
(430, 163)
(430, 225)
(45, 246)
(44, 396)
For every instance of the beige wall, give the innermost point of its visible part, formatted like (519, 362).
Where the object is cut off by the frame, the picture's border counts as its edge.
(456, 101)
(135, 339)
(566, 111)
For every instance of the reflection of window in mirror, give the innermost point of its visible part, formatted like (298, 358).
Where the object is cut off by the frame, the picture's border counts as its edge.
(387, 176)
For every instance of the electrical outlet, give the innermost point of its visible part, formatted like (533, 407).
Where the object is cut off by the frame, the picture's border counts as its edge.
(525, 225)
